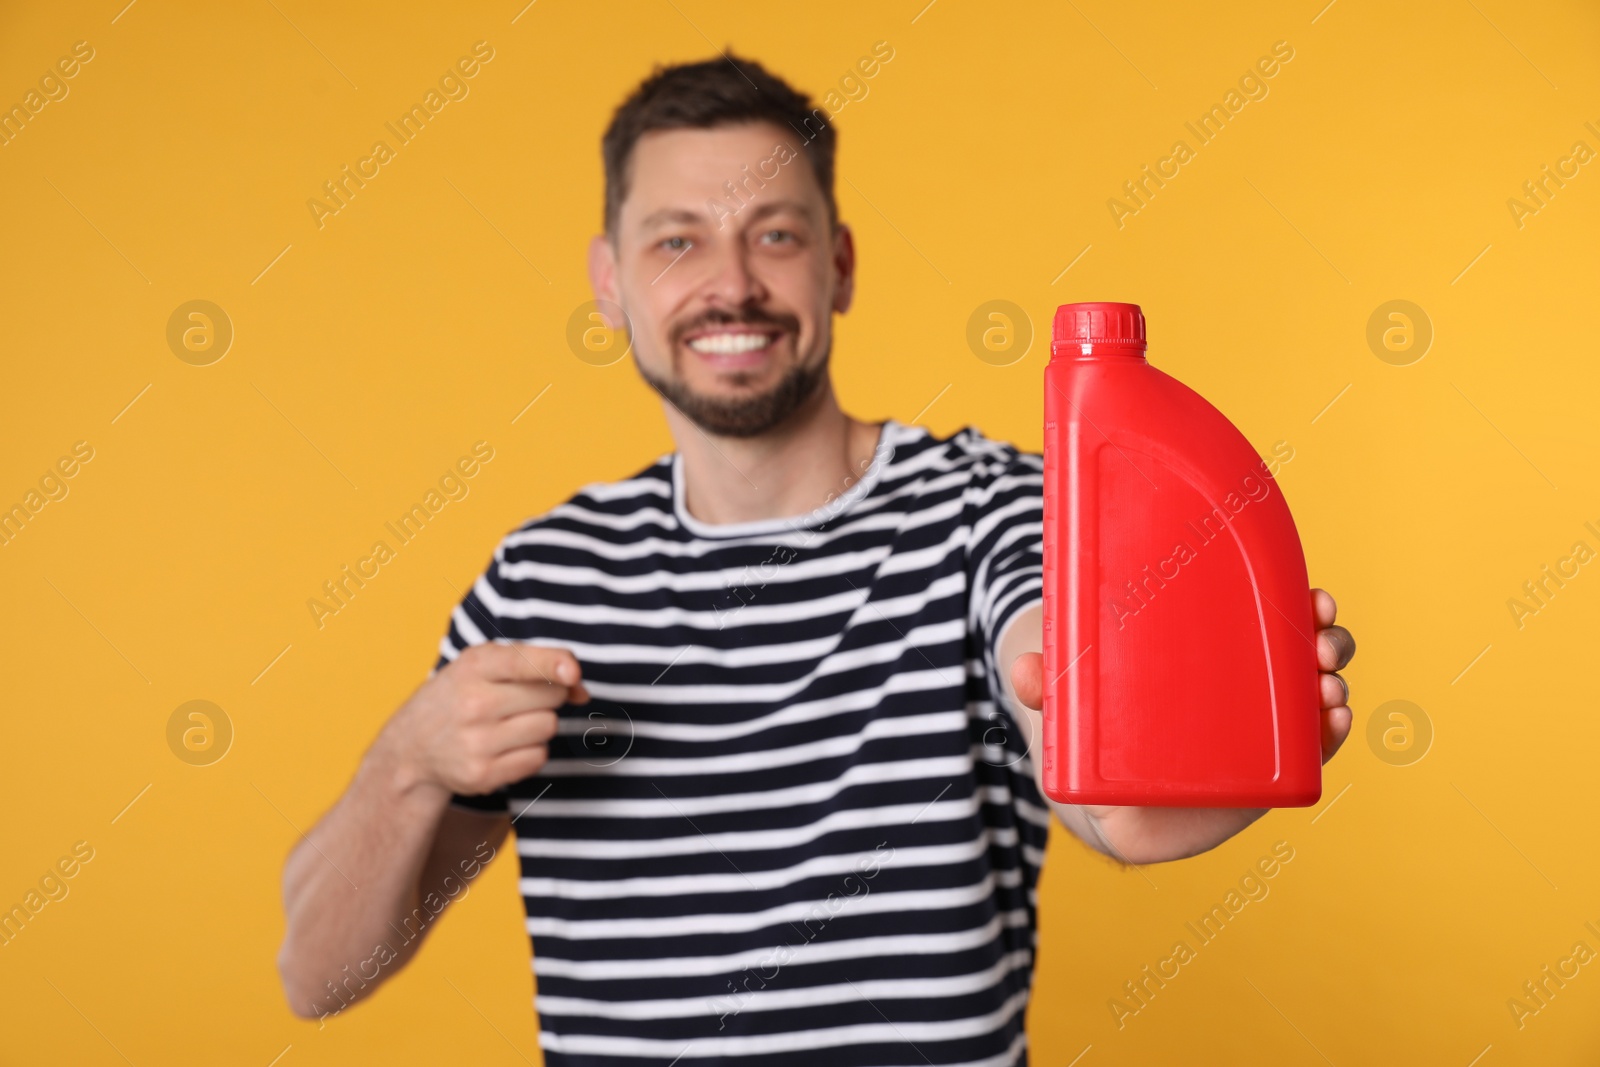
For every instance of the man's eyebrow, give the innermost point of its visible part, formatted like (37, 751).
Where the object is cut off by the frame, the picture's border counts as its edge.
(760, 209)
(772, 207)
(671, 214)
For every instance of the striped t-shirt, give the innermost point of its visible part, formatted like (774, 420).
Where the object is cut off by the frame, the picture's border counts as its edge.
(794, 825)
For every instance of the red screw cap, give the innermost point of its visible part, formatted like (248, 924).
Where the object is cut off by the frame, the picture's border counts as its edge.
(1103, 325)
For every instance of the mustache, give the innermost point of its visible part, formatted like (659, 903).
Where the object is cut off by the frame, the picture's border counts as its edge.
(751, 316)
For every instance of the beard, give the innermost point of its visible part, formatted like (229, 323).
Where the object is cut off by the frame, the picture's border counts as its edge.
(742, 416)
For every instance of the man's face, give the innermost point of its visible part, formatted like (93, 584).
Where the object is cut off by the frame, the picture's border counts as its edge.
(730, 298)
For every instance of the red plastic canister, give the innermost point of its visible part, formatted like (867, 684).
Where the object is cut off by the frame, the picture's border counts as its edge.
(1179, 640)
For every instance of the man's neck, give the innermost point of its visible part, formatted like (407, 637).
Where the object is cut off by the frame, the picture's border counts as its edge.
(790, 471)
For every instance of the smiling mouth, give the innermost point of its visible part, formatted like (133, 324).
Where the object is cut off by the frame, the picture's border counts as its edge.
(732, 342)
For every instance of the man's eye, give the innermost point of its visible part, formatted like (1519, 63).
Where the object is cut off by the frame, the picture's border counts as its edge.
(674, 244)
(779, 237)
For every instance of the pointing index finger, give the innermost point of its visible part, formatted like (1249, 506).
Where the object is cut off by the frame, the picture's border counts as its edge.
(518, 662)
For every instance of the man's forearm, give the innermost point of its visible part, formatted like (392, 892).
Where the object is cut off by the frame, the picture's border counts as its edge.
(375, 873)
(351, 880)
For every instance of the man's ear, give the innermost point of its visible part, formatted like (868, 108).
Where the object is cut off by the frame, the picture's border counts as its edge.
(603, 269)
(844, 268)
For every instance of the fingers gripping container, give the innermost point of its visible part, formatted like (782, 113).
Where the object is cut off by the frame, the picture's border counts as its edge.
(1180, 663)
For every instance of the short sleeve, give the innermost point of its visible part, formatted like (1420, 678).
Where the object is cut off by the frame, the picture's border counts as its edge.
(1005, 573)
(471, 623)
(1005, 557)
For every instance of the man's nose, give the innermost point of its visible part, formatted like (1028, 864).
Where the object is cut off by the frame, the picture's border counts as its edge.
(732, 280)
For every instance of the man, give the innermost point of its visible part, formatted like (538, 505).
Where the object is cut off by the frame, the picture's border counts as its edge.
(759, 715)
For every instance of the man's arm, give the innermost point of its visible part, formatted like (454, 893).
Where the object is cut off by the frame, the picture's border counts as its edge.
(357, 919)
(371, 877)
(1155, 834)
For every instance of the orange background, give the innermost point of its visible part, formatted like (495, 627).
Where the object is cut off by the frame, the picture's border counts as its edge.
(370, 353)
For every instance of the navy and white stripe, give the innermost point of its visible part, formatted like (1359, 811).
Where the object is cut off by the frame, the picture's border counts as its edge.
(793, 826)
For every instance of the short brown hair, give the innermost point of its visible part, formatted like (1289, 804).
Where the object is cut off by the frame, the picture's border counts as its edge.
(716, 92)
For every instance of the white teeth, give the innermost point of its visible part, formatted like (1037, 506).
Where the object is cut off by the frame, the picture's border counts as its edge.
(726, 344)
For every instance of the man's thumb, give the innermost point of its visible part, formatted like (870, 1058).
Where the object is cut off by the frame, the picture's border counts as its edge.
(1027, 678)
